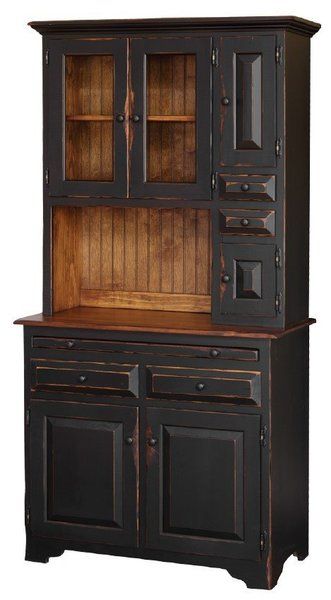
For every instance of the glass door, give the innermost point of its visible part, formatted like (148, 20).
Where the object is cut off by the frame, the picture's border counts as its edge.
(170, 116)
(86, 118)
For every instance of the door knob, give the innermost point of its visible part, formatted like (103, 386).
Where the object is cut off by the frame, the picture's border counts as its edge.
(120, 118)
(226, 278)
(152, 442)
(135, 118)
(225, 101)
(129, 440)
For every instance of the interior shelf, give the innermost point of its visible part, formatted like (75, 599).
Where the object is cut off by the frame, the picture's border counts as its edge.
(172, 118)
(89, 118)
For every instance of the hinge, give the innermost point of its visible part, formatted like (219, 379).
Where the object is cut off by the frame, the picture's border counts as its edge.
(278, 258)
(263, 436)
(278, 147)
(213, 181)
(27, 417)
(263, 540)
(278, 303)
(47, 176)
(47, 57)
(279, 55)
(214, 57)
(27, 516)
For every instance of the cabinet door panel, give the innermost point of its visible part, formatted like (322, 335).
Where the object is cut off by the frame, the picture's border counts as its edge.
(83, 476)
(248, 101)
(87, 141)
(248, 280)
(203, 490)
(170, 118)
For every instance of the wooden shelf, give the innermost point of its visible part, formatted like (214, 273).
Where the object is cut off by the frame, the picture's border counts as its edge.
(89, 118)
(149, 321)
(172, 118)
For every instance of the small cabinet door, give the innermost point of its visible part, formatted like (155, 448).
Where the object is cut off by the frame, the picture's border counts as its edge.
(170, 118)
(203, 483)
(246, 286)
(83, 472)
(86, 122)
(247, 102)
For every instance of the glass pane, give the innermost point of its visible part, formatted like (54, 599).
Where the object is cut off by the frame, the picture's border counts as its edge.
(89, 93)
(171, 115)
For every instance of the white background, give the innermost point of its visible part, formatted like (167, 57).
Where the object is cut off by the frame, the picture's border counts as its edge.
(87, 575)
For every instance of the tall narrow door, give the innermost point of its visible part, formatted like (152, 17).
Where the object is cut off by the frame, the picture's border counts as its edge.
(171, 118)
(203, 483)
(247, 101)
(84, 472)
(85, 124)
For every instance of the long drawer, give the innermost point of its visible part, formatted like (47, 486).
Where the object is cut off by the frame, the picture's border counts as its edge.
(232, 386)
(97, 378)
(79, 344)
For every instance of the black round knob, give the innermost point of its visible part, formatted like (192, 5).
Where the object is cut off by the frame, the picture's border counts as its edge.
(226, 278)
(244, 222)
(120, 118)
(129, 440)
(70, 343)
(152, 442)
(135, 118)
(214, 353)
(82, 378)
(200, 386)
(245, 187)
(225, 101)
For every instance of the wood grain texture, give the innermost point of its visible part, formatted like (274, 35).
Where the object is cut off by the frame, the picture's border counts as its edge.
(66, 258)
(171, 108)
(162, 256)
(157, 259)
(89, 115)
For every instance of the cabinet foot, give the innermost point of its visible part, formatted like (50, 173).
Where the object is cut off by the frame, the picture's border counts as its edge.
(38, 550)
(301, 553)
(254, 576)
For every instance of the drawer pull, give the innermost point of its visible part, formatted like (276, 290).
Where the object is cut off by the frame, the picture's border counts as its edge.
(245, 187)
(214, 353)
(244, 222)
(226, 278)
(225, 101)
(82, 378)
(200, 386)
(70, 343)
(152, 442)
(129, 441)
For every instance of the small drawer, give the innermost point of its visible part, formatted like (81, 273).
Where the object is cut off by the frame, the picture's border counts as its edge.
(212, 352)
(247, 222)
(236, 387)
(97, 378)
(247, 187)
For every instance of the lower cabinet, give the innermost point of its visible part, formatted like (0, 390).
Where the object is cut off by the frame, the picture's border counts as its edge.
(83, 472)
(202, 477)
(203, 483)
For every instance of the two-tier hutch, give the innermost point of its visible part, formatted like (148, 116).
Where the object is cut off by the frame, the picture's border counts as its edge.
(166, 381)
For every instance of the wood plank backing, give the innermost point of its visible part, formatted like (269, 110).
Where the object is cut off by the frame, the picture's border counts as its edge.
(171, 91)
(90, 92)
(147, 251)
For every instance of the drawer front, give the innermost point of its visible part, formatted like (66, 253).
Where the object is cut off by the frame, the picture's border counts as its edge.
(247, 187)
(212, 352)
(247, 222)
(99, 378)
(237, 387)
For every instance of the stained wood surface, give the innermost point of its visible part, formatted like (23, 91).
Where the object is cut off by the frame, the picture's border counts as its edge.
(89, 114)
(150, 321)
(132, 258)
(171, 107)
